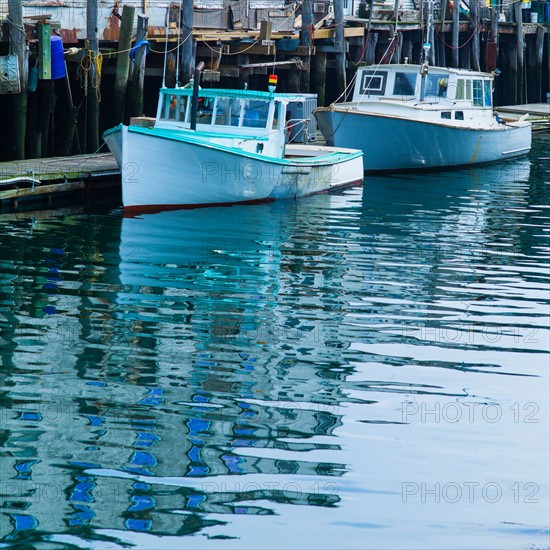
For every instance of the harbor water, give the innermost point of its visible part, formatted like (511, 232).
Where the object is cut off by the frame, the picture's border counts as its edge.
(364, 370)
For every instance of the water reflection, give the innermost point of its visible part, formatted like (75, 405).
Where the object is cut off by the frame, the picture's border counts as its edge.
(170, 373)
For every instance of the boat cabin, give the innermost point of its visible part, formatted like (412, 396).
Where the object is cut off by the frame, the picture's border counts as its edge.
(451, 87)
(251, 120)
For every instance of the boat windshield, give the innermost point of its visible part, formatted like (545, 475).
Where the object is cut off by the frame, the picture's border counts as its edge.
(436, 85)
(228, 111)
(217, 111)
(405, 84)
(256, 113)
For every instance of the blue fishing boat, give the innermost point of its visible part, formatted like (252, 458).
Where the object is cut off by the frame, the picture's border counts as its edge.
(405, 117)
(220, 146)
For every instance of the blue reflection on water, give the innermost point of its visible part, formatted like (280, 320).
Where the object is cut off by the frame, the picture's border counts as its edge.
(297, 374)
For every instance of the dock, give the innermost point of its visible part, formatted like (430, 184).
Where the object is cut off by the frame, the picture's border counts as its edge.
(40, 183)
(537, 113)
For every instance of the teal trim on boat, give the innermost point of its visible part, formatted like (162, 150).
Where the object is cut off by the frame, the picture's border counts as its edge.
(191, 137)
(117, 128)
(216, 92)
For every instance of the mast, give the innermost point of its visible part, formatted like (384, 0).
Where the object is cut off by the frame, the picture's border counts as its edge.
(428, 53)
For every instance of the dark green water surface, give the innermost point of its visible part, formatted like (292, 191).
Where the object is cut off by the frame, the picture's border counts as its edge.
(367, 370)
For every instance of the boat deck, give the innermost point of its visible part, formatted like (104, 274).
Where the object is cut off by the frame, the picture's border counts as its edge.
(36, 183)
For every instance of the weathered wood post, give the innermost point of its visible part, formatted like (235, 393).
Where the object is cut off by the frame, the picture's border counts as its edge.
(123, 62)
(456, 32)
(442, 61)
(370, 50)
(92, 100)
(512, 80)
(319, 77)
(491, 49)
(18, 47)
(136, 79)
(305, 39)
(188, 43)
(519, 52)
(539, 48)
(474, 24)
(340, 46)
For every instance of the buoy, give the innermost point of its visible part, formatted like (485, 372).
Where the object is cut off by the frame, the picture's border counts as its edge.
(58, 61)
(272, 82)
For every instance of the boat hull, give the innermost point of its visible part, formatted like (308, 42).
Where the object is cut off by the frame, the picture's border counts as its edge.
(394, 143)
(160, 172)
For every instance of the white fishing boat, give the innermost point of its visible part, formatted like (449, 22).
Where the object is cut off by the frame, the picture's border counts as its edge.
(406, 117)
(218, 146)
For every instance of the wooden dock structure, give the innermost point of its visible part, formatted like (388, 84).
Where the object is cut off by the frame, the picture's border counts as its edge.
(41, 183)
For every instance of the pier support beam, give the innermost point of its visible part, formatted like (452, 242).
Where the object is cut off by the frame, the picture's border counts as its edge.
(456, 51)
(319, 77)
(305, 39)
(134, 105)
(92, 100)
(519, 53)
(123, 62)
(18, 46)
(340, 45)
(474, 25)
(539, 51)
(188, 47)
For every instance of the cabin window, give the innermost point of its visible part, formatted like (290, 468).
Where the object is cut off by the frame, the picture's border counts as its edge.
(436, 85)
(459, 115)
(463, 89)
(373, 83)
(174, 107)
(487, 93)
(182, 108)
(277, 116)
(256, 112)
(446, 115)
(228, 111)
(478, 93)
(205, 111)
(404, 84)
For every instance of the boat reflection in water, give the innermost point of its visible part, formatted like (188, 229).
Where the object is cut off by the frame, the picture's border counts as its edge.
(225, 363)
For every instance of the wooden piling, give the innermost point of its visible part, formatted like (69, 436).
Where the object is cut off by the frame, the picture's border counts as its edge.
(519, 52)
(474, 26)
(188, 46)
(134, 104)
(456, 32)
(305, 39)
(18, 47)
(123, 62)
(491, 48)
(319, 77)
(70, 132)
(92, 100)
(512, 80)
(47, 105)
(370, 50)
(539, 51)
(442, 61)
(340, 45)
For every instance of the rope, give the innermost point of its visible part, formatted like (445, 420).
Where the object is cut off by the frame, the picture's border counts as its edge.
(89, 71)
(458, 47)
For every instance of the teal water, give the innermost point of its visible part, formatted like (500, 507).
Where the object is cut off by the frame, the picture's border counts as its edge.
(366, 370)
